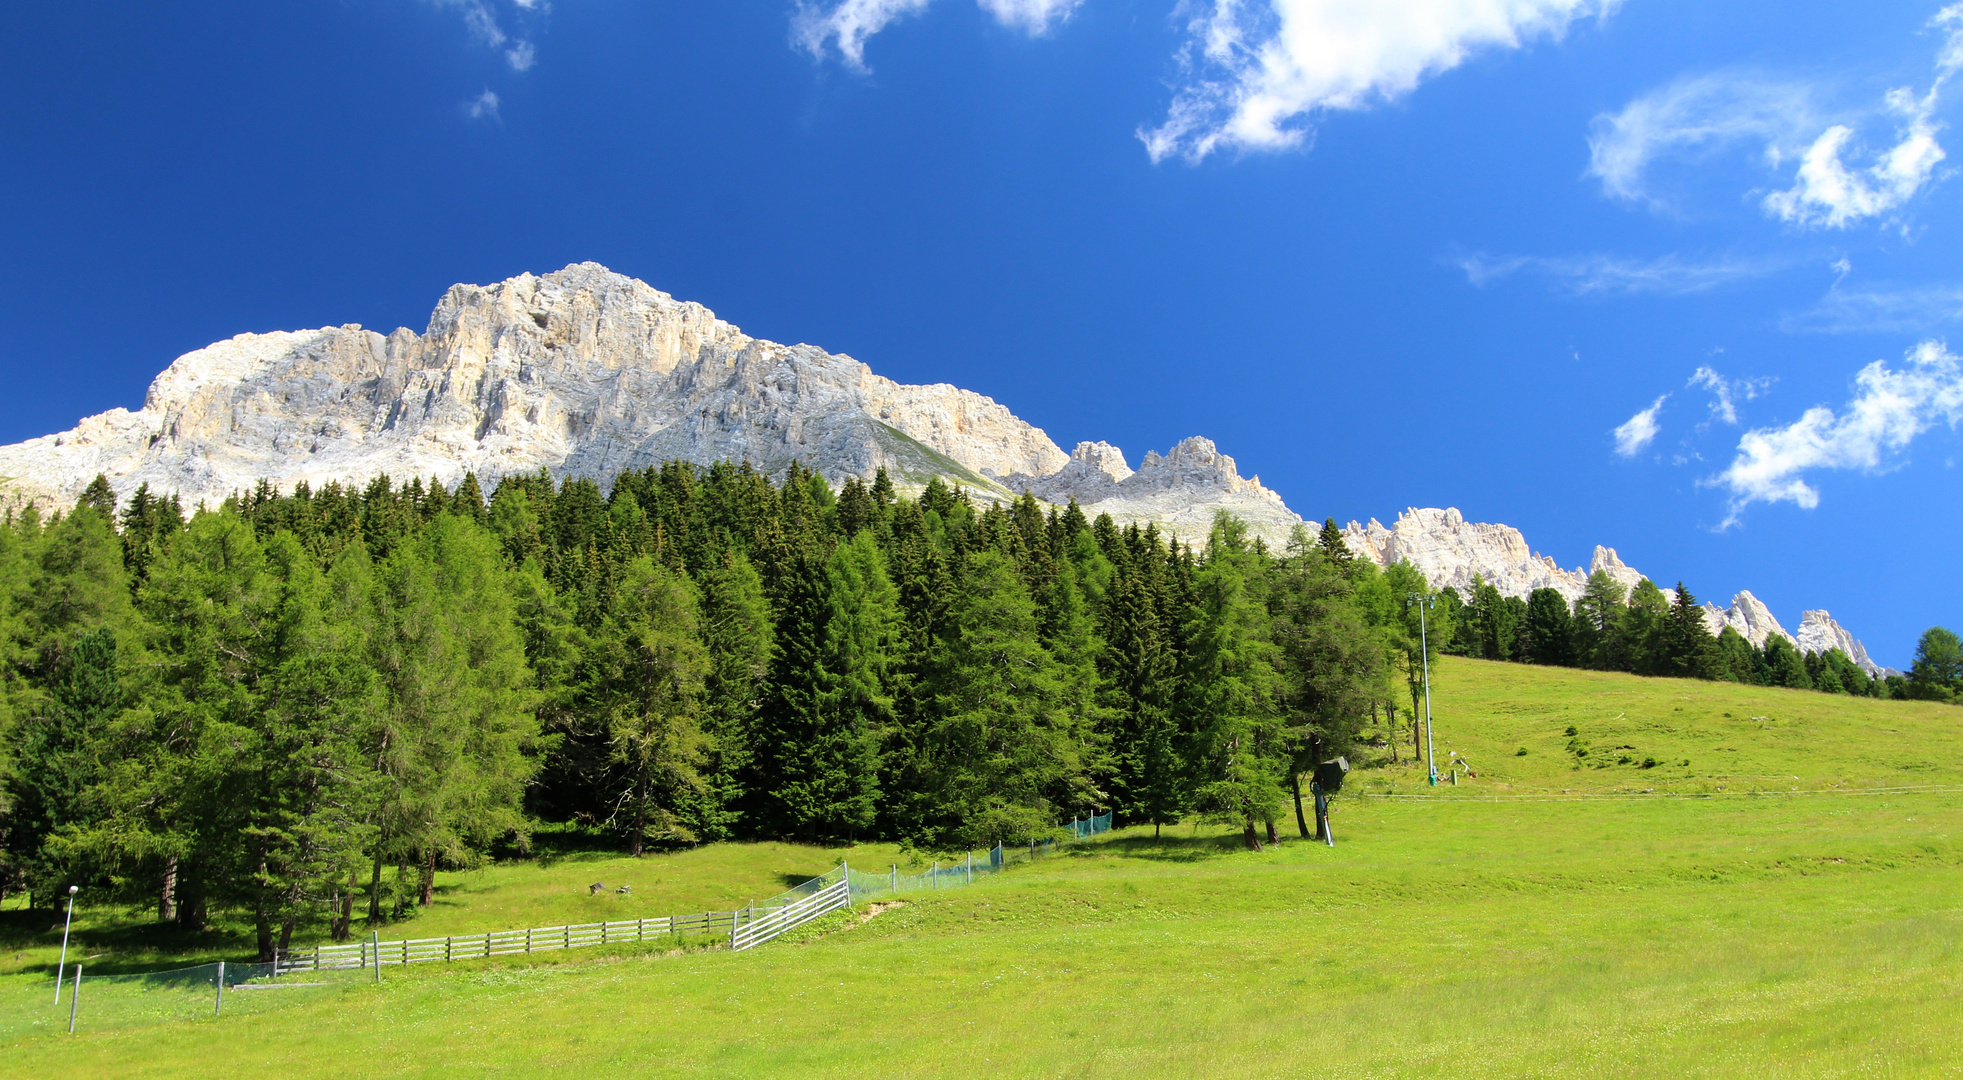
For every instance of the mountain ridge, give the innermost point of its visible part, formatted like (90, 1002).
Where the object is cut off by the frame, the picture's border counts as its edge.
(587, 372)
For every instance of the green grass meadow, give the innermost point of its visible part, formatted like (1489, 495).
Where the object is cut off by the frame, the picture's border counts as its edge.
(1787, 904)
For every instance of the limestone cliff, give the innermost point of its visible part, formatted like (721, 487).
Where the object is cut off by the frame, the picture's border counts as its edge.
(1450, 550)
(588, 372)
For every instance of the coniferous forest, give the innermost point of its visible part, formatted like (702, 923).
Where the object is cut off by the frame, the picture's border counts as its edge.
(297, 707)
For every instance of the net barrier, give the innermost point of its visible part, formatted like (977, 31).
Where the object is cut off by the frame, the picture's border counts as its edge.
(119, 1002)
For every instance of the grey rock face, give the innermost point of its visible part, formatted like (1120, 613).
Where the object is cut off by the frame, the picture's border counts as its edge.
(587, 372)
(1450, 550)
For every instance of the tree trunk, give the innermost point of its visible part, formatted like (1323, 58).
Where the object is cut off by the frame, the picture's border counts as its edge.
(1390, 725)
(167, 896)
(640, 817)
(375, 889)
(262, 922)
(1253, 841)
(1295, 785)
(1417, 736)
(285, 936)
(344, 925)
(429, 878)
(1272, 838)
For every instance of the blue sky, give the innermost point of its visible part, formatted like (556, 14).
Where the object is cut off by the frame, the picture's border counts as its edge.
(1608, 273)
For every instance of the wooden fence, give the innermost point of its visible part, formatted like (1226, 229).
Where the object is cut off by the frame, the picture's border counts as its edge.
(744, 928)
(361, 954)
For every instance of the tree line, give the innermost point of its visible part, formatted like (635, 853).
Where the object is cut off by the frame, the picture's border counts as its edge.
(1648, 632)
(297, 707)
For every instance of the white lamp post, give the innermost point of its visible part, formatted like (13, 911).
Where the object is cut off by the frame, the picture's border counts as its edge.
(70, 921)
(1424, 644)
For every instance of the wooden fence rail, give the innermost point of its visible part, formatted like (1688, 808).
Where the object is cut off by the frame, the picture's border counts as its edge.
(361, 954)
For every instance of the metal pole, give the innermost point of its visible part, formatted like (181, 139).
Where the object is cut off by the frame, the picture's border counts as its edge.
(61, 968)
(1424, 643)
(75, 998)
(218, 1006)
(896, 877)
(845, 873)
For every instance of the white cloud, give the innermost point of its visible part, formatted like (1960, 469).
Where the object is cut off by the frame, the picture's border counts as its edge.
(1889, 409)
(481, 20)
(1830, 193)
(1254, 71)
(1881, 308)
(1585, 275)
(1030, 16)
(846, 24)
(1836, 179)
(1695, 118)
(1636, 433)
(483, 106)
(1726, 392)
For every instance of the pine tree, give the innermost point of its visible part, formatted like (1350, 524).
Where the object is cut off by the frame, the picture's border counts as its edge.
(1000, 743)
(823, 726)
(650, 695)
(1548, 635)
(737, 632)
(1689, 649)
(1937, 671)
(1238, 748)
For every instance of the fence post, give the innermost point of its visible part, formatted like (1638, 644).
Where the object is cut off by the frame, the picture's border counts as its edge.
(896, 878)
(968, 871)
(74, 999)
(446, 949)
(218, 1006)
(487, 943)
(936, 879)
(378, 956)
(845, 875)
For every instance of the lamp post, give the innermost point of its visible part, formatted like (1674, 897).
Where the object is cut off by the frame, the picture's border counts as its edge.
(70, 921)
(1424, 645)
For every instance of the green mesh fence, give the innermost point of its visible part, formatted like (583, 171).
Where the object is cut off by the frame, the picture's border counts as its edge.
(111, 1002)
(938, 875)
(210, 992)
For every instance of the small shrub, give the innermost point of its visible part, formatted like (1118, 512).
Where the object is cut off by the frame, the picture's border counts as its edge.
(1522, 752)
(1650, 763)
(1572, 732)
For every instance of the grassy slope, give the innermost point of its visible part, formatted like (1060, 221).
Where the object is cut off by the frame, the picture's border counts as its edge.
(1810, 935)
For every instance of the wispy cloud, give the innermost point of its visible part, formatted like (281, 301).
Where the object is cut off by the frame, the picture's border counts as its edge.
(481, 20)
(1254, 72)
(1726, 393)
(1890, 408)
(845, 25)
(1836, 178)
(1695, 118)
(1881, 308)
(1634, 435)
(1585, 275)
(482, 107)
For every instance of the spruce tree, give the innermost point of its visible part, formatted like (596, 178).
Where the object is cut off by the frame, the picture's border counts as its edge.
(1238, 748)
(737, 632)
(651, 680)
(822, 729)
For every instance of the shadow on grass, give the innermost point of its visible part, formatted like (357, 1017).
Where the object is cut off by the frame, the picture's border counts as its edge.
(1165, 847)
(124, 949)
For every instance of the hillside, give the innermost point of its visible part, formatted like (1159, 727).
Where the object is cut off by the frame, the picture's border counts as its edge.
(1488, 927)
